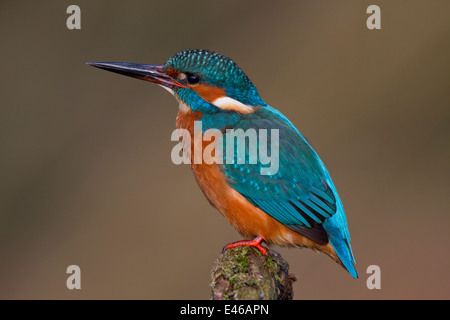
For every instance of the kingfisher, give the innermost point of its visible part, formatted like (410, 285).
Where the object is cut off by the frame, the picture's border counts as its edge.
(296, 205)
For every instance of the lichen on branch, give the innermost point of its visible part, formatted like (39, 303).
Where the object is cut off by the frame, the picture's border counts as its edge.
(243, 273)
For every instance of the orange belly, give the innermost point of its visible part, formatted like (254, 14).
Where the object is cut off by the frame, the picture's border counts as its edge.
(247, 219)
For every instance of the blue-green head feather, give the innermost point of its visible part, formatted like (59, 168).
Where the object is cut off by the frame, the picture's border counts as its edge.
(205, 67)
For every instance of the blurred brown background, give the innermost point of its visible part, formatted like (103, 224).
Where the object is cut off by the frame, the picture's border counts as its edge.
(86, 173)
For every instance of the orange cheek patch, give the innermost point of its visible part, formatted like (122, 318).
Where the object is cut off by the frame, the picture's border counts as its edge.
(218, 97)
(171, 72)
(209, 93)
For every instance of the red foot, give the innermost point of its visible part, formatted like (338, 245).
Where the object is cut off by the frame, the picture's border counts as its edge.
(252, 243)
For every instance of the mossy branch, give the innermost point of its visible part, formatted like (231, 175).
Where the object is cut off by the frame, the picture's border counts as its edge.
(243, 273)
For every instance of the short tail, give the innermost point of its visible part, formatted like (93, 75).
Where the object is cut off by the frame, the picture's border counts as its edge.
(344, 252)
(339, 237)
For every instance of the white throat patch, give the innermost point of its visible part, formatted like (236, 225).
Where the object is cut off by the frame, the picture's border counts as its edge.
(227, 103)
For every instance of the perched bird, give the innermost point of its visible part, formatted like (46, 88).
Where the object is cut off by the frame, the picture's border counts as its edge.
(295, 205)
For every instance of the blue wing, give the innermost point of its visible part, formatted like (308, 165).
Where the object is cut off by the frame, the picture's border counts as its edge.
(301, 194)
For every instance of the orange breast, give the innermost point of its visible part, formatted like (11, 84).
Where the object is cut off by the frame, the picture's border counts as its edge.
(245, 217)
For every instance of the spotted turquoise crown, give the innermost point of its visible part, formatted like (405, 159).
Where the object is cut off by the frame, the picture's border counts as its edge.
(215, 70)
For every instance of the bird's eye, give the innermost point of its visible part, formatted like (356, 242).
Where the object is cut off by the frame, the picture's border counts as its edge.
(192, 78)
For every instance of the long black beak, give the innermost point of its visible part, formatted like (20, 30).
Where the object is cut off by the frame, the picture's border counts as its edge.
(147, 72)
